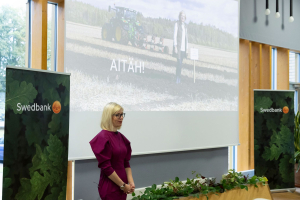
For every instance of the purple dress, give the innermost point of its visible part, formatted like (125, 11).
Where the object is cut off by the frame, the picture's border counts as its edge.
(113, 152)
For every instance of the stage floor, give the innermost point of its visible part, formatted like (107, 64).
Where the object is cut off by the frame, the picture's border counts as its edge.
(287, 195)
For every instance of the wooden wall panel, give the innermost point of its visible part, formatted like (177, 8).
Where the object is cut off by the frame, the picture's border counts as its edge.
(282, 69)
(265, 66)
(69, 182)
(255, 73)
(243, 148)
(61, 36)
(254, 84)
(39, 34)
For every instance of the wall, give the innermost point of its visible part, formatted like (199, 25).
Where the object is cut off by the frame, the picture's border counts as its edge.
(155, 168)
(258, 27)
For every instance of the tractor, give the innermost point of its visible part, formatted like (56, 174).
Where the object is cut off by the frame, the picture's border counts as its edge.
(123, 27)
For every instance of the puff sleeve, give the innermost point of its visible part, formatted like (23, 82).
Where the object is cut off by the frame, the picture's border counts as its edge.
(128, 155)
(102, 150)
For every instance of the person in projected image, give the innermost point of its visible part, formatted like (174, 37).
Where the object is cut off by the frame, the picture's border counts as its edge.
(180, 42)
(113, 152)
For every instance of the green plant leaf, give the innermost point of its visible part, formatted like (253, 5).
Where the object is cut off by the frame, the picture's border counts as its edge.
(51, 95)
(55, 150)
(55, 191)
(39, 183)
(62, 195)
(19, 93)
(286, 169)
(33, 133)
(280, 144)
(262, 102)
(25, 192)
(40, 161)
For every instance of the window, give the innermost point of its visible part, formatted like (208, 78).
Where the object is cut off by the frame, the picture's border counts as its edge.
(294, 76)
(292, 67)
(52, 37)
(274, 69)
(15, 48)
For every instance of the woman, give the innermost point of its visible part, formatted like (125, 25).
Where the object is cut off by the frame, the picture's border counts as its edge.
(113, 152)
(180, 41)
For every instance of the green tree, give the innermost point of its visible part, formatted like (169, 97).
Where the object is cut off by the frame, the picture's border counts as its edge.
(12, 38)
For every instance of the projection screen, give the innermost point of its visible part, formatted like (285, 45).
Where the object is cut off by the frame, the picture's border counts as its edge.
(172, 65)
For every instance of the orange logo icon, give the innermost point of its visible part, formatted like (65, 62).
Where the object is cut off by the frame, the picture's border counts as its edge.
(56, 107)
(285, 109)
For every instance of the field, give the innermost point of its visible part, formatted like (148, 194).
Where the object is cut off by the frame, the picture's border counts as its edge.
(89, 58)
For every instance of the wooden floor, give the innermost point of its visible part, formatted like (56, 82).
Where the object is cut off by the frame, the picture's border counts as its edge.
(287, 195)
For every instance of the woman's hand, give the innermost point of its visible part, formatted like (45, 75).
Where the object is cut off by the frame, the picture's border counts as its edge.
(132, 187)
(127, 188)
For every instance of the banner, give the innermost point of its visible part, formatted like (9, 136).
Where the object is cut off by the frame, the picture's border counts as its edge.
(274, 137)
(36, 134)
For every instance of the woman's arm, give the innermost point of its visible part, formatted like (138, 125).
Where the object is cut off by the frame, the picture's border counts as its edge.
(130, 179)
(116, 179)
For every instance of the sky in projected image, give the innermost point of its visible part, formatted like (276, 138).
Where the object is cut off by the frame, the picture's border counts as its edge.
(105, 68)
(219, 13)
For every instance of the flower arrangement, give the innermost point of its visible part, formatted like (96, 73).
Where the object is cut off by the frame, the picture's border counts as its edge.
(199, 185)
(297, 140)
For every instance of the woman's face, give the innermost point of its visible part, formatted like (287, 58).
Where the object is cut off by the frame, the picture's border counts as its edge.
(182, 18)
(117, 119)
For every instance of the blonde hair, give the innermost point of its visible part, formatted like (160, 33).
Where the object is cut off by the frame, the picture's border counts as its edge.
(108, 111)
(182, 13)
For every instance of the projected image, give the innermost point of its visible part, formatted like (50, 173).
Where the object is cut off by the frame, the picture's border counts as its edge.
(153, 55)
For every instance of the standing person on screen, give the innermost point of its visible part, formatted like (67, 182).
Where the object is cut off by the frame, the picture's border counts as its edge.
(113, 152)
(180, 41)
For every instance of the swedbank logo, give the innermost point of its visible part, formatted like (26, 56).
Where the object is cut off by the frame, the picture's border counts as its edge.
(285, 110)
(56, 107)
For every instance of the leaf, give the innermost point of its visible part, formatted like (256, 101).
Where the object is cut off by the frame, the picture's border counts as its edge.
(33, 133)
(64, 80)
(286, 169)
(7, 192)
(23, 94)
(39, 184)
(24, 192)
(7, 182)
(55, 150)
(51, 95)
(62, 195)
(5, 171)
(40, 161)
(176, 179)
(281, 142)
(58, 125)
(55, 191)
(13, 127)
(272, 125)
(262, 103)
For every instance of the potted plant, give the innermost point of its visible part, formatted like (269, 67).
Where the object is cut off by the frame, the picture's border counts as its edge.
(297, 149)
(199, 186)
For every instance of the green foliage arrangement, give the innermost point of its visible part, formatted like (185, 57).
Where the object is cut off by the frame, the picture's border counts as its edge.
(274, 138)
(36, 142)
(297, 140)
(198, 186)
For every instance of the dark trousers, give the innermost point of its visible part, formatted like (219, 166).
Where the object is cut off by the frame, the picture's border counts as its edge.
(179, 64)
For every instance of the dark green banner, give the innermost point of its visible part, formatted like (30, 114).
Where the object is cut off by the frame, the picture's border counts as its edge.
(36, 135)
(274, 137)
